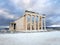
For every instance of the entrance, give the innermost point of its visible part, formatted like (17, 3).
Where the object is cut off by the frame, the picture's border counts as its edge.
(14, 26)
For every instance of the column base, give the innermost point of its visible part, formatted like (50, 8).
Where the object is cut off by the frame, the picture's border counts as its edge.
(42, 30)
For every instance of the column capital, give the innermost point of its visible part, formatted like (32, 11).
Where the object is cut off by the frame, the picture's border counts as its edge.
(34, 15)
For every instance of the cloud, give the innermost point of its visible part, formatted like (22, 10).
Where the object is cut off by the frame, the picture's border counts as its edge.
(54, 26)
(45, 6)
(26, 2)
(48, 7)
(16, 7)
(6, 14)
(6, 17)
(23, 4)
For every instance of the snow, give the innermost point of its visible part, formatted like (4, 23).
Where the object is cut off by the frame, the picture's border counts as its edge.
(40, 38)
(54, 26)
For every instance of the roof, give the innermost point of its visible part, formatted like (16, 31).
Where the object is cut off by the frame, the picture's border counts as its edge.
(31, 12)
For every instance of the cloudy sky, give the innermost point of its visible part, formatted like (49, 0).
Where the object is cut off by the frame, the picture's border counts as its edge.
(12, 9)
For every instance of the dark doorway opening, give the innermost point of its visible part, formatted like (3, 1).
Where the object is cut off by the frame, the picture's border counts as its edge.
(14, 26)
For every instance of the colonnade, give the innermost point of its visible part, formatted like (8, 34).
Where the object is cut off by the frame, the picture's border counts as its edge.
(41, 22)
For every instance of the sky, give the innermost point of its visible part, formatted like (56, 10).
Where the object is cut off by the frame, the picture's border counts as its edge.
(12, 9)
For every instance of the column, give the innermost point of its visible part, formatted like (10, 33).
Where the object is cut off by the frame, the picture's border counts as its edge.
(44, 23)
(30, 22)
(41, 19)
(34, 22)
(38, 21)
(26, 21)
(12, 26)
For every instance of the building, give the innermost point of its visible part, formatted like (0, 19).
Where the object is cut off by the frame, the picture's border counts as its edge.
(29, 21)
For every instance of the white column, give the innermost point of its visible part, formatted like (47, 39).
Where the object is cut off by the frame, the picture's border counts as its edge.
(12, 26)
(41, 22)
(34, 22)
(30, 22)
(44, 23)
(26, 22)
(38, 21)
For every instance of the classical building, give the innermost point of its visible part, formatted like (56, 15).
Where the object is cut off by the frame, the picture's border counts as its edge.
(29, 21)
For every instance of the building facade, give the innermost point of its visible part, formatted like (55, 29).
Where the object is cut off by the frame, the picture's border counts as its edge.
(29, 21)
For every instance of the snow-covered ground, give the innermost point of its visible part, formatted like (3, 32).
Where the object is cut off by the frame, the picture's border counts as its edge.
(40, 38)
